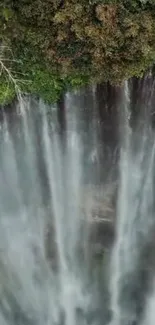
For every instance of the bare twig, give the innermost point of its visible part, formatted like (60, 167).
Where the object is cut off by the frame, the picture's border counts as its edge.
(10, 74)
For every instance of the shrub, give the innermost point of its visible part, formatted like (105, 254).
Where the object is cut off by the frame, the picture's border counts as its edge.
(62, 44)
(7, 92)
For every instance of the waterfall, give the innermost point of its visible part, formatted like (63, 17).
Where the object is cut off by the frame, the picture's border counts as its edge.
(77, 208)
(47, 269)
(135, 223)
(64, 174)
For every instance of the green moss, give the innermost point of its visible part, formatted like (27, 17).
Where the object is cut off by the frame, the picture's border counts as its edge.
(48, 86)
(7, 92)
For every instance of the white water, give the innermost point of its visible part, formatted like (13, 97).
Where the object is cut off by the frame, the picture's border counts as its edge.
(46, 272)
(130, 282)
(64, 174)
(44, 276)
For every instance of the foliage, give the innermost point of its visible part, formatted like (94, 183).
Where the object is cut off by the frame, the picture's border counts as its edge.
(7, 92)
(58, 44)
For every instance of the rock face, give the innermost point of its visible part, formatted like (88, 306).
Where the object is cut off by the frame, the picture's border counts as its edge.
(97, 223)
(99, 211)
(98, 203)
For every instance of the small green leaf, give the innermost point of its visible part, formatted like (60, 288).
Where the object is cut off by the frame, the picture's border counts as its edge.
(7, 13)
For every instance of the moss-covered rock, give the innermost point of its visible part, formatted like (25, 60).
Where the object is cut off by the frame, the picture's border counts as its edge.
(58, 44)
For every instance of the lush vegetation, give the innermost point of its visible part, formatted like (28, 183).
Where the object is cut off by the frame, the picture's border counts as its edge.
(48, 46)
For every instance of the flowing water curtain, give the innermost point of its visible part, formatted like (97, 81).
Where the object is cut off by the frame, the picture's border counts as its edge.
(134, 226)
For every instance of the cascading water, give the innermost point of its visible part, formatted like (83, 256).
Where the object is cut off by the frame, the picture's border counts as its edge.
(45, 224)
(131, 278)
(64, 175)
(58, 181)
